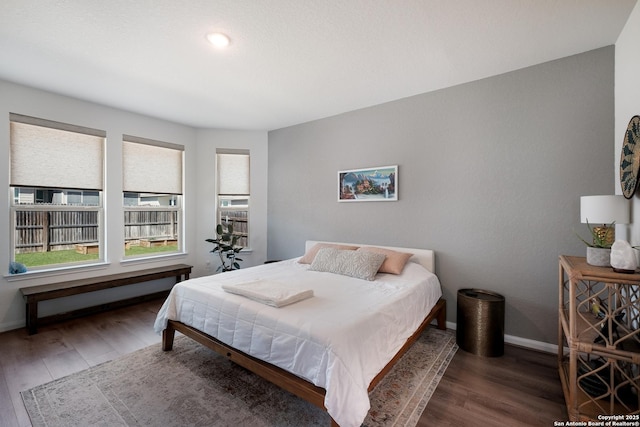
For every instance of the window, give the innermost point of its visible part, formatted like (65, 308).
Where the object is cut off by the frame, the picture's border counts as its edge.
(152, 196)
(56, 180)
(233, 192)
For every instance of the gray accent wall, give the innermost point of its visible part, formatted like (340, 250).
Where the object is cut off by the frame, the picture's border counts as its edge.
(490, 176)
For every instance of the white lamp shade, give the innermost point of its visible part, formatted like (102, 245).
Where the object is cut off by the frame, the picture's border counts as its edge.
(604, 209)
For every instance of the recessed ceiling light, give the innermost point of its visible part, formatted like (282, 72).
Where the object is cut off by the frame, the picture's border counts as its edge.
(219, 40)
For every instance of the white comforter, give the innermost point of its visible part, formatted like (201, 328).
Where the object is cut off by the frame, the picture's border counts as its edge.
(339, 339)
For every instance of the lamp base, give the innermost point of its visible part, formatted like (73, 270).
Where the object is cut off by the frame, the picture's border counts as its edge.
(606, 235)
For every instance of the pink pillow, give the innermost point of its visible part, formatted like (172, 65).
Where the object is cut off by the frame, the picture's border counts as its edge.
(395, 261)
(311, 253)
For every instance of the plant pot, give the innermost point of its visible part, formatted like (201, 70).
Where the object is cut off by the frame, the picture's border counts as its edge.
(600, 257)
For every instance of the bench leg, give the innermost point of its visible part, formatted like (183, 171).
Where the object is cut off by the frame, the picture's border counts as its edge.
(32, 317)
(179, 277)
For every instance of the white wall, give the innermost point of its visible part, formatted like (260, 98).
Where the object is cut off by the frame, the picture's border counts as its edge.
(627, 105)
(199, 199)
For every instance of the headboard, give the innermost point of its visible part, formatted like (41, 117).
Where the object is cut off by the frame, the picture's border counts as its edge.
(425, 257)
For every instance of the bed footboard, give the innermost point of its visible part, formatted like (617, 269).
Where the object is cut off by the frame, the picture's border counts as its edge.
(272, 373)
(283, 379)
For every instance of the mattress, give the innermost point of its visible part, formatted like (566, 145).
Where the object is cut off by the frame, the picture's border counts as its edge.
(339, 339)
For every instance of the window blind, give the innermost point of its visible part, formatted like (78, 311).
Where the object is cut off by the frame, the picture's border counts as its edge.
(48, 154)
(233, 172)
(151, 166)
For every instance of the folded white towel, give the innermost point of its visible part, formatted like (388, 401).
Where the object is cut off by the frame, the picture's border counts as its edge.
(268, 292)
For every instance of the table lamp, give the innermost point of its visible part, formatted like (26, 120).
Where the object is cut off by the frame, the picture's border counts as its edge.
(604, 210)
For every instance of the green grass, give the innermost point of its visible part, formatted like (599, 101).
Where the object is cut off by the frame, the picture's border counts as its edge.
(37, 259)
(139, 250)
(54, 257)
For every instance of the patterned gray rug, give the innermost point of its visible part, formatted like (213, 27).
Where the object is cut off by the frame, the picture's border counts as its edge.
(193, 386)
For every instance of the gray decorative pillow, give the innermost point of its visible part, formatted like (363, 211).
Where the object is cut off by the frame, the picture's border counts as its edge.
(362, 265)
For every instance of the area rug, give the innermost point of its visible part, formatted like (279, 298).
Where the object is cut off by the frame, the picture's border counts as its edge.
(193, 386)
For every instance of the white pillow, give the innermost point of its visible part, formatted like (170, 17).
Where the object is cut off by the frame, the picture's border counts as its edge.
(362, 265)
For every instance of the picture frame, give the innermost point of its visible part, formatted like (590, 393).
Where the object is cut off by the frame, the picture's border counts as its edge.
(374, 184)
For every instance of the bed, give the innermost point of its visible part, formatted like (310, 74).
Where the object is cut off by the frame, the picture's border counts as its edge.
(331, 348)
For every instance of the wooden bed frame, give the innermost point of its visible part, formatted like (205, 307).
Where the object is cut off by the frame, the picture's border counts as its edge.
(286, 380)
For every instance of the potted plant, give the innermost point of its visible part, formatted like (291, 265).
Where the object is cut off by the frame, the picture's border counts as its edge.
(599, 249)
(226, 247)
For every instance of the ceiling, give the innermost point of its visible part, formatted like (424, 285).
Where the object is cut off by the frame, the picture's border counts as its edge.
(289, 61)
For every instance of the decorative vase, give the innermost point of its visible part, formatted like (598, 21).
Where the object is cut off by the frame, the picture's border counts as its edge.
(600, 257)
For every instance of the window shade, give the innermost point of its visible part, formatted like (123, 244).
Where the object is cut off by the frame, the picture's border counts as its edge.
(233, 173)
(55, 155)
(151, 166)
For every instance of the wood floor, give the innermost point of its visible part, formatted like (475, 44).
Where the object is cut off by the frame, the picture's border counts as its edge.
(521, 388)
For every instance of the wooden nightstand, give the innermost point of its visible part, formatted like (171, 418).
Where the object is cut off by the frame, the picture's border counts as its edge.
(598, 340)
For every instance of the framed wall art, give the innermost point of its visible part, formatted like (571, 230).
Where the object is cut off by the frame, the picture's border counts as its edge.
(376, 184)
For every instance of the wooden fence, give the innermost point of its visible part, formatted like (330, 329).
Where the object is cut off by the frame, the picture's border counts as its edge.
(43, 231)
(151, 225)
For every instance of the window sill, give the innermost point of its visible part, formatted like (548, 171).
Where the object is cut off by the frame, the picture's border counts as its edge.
(58, 271)
(154, 258)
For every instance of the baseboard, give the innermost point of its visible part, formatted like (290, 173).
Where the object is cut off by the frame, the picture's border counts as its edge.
(532, 344)
(85, 311)
(10, 326)
(522, 342)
